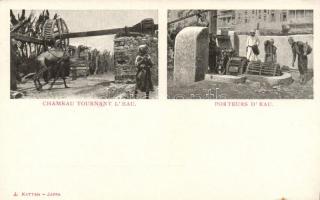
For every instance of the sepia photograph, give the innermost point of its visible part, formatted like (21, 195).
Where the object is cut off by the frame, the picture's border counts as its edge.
(240, 54)
(97, 54)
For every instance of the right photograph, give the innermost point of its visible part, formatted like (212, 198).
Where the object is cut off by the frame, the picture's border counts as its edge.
(240, 54)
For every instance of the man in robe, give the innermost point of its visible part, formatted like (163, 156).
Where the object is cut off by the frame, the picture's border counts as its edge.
(302, 50)
(252, 46)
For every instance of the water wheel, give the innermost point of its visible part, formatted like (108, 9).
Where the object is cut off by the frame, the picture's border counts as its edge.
(52, 32)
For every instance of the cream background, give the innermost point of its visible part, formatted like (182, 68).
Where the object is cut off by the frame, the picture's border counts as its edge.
(160, 149)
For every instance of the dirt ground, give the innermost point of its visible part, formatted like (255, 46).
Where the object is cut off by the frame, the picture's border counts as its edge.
(248, 90)
(92, 87)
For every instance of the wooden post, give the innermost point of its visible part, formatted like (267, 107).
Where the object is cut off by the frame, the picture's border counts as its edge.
(212, 22)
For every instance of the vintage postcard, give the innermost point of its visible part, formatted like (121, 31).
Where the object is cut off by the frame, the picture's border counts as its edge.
(159, 100)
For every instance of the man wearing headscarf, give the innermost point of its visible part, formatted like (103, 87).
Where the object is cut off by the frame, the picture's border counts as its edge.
(143, 63)
(252, 46)
(302, 50)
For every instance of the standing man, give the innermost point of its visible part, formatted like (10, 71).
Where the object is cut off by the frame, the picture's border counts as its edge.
(270, 51)
(252, 46)
(212, 55)
(302, 50)
(143, 63)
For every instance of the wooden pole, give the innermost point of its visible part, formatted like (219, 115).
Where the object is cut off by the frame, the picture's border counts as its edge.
(213, 22)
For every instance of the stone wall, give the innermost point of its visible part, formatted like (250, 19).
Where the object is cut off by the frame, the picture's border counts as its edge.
(284, 52)
(125, 52)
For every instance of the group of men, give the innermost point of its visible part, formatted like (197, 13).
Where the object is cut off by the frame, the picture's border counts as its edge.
(299, 49)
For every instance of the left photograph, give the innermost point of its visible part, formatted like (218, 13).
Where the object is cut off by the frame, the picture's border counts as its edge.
(96, 54)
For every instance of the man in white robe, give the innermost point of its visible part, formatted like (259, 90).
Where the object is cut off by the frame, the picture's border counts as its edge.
(251, 41)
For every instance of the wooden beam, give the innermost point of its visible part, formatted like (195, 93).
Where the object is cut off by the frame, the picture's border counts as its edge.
(91, 33)
(213, 22)
(136, 28)
(140, 27)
